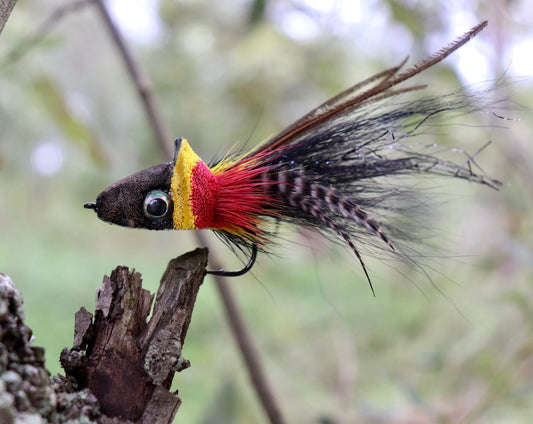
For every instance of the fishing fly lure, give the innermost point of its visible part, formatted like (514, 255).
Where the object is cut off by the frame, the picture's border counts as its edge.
(325, 171)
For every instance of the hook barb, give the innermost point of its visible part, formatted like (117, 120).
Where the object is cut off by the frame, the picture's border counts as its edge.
(240, 272)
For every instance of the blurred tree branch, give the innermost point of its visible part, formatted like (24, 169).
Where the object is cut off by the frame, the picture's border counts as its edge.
(235, 319)
(42, 31)
(6, 6)
(140, 82)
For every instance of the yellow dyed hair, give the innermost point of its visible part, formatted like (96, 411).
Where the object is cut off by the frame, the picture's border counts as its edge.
(181, 187)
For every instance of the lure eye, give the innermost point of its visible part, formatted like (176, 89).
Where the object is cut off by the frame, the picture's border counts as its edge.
(157, 205)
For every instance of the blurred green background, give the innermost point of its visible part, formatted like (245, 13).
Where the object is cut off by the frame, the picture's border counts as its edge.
(457, 349)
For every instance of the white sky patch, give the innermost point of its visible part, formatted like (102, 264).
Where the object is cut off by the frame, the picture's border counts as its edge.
(299, 25)
(472, 61)
(304, 19)
(521, 59)
(47, 158)
(472, 65)
(138, 19)
(347, 10)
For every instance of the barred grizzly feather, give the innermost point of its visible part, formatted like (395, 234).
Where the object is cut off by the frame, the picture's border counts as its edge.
(327, 170)
(340, 170)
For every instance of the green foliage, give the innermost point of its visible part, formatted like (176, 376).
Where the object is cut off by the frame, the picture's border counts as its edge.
(456, 348)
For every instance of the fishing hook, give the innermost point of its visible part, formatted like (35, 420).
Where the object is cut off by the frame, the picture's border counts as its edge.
(240, 272)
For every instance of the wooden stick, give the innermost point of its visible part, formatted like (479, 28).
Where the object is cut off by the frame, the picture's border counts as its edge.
(127, 361)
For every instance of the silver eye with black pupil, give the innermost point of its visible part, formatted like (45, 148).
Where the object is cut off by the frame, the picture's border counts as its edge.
(157, 205)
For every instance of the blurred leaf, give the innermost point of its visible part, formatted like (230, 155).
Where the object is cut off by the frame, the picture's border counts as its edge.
(409, 16)
(522, 302)
(73, 128)
(257, 11)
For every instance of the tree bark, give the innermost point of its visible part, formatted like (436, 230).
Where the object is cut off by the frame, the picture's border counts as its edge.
(121, 365)
(127, 361)
(25, 393)
(6, 6)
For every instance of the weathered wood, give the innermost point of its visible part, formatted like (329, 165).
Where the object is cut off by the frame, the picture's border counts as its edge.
(127, 361)
(121, 365)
